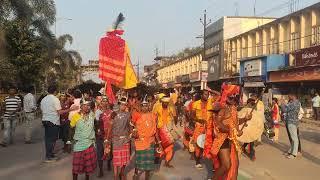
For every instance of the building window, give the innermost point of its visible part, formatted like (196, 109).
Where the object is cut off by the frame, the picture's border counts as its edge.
(274, 46)
(316, 35)
(259, 48)
(295, 41)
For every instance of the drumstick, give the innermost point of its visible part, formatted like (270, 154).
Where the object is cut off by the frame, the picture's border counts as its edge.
(255, 106)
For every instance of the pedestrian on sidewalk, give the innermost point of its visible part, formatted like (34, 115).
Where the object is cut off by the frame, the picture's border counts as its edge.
(51, 111)
(82, 133)
(316, 106)
(30, 107)
(292, 121)
(12, 105)
(276, 119)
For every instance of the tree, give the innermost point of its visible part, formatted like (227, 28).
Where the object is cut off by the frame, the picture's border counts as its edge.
(29, 53)
(25, 53)
(66, 62)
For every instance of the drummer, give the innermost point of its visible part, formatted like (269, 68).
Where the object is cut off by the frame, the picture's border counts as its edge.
(166, 118)
(200, 114)
(250, 103)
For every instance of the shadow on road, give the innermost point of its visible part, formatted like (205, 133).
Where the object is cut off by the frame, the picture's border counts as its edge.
(284, 148)
(311, 136)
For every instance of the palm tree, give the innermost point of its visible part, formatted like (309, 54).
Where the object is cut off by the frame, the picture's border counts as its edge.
(65, 66)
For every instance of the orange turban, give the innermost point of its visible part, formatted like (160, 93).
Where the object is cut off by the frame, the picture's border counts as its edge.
(227, 91)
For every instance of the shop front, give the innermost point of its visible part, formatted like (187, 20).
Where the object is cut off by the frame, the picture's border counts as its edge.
(254, 74)
(302, 79)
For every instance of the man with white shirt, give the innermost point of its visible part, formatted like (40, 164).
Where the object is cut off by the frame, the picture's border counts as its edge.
(29, 107)
(51, 111)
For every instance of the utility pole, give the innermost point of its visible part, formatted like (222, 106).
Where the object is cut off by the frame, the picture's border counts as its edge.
(254, 7)
(157, 51)
(205, 25)
(138, 68)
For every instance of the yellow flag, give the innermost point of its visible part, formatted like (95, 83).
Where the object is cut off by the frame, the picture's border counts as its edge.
(131, 79)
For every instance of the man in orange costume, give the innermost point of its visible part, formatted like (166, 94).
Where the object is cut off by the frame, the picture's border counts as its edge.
(167, 130)
(225, 146)
(145, 138)
(200, 113)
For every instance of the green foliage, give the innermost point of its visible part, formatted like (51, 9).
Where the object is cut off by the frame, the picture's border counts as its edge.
(187, 52)
(29, 52)
(25, 52)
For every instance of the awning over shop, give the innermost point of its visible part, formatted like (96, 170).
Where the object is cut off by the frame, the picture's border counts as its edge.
(253, 84)
(295, 75)
(196, 84)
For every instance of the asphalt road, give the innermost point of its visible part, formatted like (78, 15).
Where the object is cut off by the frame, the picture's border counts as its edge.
(25, 162)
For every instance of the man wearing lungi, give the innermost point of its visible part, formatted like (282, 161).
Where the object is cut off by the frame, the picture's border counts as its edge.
(167, 129)
(200, 113)
(103, 132)
(83, 132)
(145, 125)
(121, 140)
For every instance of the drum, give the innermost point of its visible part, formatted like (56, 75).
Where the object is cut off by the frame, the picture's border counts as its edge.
(201, 140)
(165, 137)
(255, 126)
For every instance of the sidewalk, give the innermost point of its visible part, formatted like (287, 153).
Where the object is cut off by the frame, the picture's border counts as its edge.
(272, 164)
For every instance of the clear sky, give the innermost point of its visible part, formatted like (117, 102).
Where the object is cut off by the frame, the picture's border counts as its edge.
(173, 24)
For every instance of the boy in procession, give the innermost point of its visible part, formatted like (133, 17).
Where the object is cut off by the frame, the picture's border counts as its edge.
(82, 130)
(103, 133)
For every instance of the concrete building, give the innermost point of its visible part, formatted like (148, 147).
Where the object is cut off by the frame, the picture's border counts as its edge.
(90, 71)
(188, 71)
(218, 32)
(150, 74)
(285, 35)
(296, 38)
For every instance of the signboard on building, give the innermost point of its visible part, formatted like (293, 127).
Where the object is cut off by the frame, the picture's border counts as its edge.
(253, 79)
(253, 68)
(204, 66)
(308, 56)
(213, 68)
(204, 76)
(293, 75)
(178, 79)
(185, 78)
(195, 76)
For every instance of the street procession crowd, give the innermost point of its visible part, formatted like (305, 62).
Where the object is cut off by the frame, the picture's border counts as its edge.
(100, 127)
(210, 124)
